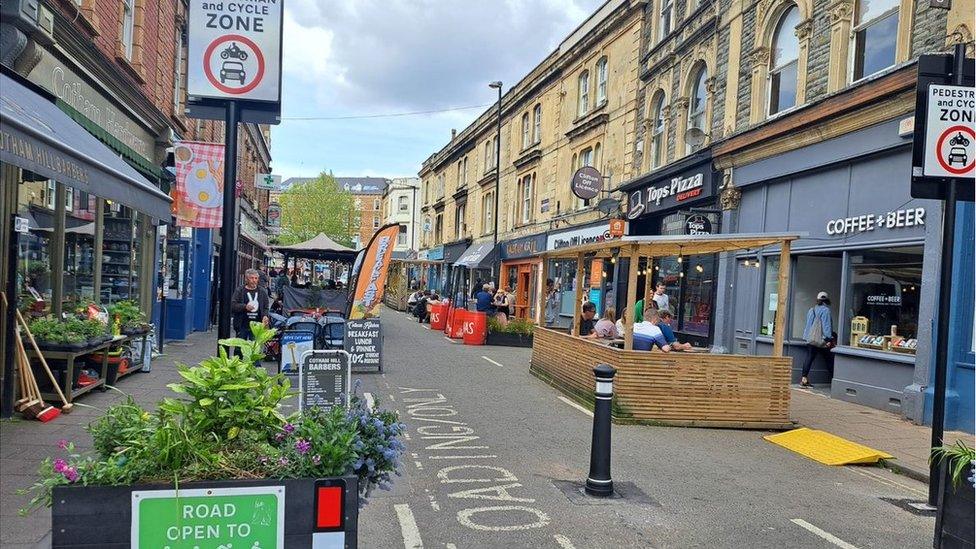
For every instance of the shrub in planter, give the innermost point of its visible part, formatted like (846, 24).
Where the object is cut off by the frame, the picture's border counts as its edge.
(129, 316)
(516, 333)
(955, 516)
(55, 335)
(226, 425)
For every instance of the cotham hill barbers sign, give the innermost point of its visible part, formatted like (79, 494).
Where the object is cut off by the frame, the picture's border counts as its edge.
(684, 188)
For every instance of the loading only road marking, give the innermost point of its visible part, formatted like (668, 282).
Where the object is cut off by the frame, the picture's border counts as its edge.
(453, 439)
(823, 534)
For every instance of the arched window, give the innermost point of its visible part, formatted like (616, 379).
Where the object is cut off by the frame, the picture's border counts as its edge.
(783, 61)
(697, 102)
(601, 80)
(537, 124)
(584, 93)
(657, 131)
(525, 131)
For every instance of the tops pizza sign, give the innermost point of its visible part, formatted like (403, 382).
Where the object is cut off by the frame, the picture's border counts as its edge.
(235, 50)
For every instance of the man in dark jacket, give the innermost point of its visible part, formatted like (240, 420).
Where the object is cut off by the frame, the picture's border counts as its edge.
(249, 304)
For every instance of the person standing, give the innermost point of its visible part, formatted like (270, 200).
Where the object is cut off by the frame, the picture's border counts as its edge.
(819, 335)
(483, 300)
(661, 298)
(503, 302)
(264, 280)
(249, 304)
(552, 302)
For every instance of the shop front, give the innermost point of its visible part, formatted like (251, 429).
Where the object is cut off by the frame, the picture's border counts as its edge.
(455, 279)
(435, 269)
(679, 200)
(520, 272)
(597, 276)
(867, 243)
(477, 261)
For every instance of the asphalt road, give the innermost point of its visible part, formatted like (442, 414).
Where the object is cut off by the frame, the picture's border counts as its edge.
(495, 458)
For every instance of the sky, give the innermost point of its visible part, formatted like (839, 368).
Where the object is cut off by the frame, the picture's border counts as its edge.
(366, 57)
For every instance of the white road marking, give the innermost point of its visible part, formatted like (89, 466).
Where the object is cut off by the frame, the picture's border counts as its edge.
(464, 457)
(887, 481)
(577, 406)
(433, 504)
(419, 465)
(823, 534)
(450, 546)
(391, 398)
(408, 527)
(370, 401)
(563, 541)
(499, 364)
(449, 340)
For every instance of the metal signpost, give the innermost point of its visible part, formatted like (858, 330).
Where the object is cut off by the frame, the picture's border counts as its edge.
(943, 168)
(234, 75)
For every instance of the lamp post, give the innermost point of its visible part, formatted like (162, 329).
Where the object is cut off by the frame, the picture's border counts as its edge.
(497, 84)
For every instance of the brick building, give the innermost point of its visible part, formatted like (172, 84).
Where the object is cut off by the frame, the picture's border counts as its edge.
(367, 193)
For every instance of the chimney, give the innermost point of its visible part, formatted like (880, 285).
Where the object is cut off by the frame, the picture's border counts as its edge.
(453, 134)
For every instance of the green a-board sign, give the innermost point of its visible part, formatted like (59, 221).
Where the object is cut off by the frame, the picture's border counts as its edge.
(209, 518)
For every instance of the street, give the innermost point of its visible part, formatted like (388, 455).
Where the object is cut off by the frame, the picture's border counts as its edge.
(495, 458)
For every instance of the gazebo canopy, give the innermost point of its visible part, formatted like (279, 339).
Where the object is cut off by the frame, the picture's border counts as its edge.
(319, 247)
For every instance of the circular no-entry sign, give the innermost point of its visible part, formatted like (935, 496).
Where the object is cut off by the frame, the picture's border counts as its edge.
(955, 149)
(233, 64)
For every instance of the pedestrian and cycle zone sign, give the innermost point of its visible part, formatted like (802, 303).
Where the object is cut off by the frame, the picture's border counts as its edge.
(234, 49)
(209, 518)
(950, 141)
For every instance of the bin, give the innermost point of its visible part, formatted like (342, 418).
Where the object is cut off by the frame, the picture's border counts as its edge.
(438, 316)
(475, 328)
(457, 323)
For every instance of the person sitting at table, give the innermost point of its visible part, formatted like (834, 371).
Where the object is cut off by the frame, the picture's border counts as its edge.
(648, 329)
(586, 320)
(606, 327)
(483, 300)
(664, 323)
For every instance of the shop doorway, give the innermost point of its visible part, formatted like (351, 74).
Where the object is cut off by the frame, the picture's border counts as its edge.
(745, 289)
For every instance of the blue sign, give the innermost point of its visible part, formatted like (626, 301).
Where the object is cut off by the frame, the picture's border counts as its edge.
(436, 254)
(293, 344)
(596, 297)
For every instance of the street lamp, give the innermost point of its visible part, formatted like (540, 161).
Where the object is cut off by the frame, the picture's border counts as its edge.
(497, 84)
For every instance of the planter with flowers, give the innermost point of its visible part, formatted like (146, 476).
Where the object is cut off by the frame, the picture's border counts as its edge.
(957, 501)
(129, 318)
(515, 333)
(221, 464)
(73, 334)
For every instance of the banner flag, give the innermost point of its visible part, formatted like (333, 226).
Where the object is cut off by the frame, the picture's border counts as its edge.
(198, 195)
(370, 277)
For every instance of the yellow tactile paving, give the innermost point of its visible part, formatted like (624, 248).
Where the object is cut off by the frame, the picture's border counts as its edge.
(826, 448)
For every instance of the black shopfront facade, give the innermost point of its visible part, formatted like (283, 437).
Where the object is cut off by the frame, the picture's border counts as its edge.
(679, 199)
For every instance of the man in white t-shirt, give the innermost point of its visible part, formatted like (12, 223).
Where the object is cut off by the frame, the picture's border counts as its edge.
(661, 298)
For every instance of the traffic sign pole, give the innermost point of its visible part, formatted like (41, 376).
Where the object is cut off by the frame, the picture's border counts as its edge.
(945, 304)
(228, 231)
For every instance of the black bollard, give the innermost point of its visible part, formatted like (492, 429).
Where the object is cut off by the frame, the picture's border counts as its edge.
(599, 483)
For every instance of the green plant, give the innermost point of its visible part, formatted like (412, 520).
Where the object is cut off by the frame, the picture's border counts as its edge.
(127, 312)
(958, 457)
(514, 326)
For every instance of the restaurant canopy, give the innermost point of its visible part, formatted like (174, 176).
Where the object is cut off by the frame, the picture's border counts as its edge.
(636, 247)
(478, 255)
(319, 247)
(36, 135)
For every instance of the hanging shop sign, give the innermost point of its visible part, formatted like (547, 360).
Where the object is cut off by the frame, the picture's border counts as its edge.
(698, 224)
(685, 188)
(577, 237)
(21, 225)
(524, 247)
(267, 181)
(235, 50)
(897, 219)
(618, 227)
(252, 516)
(198, 195)
(274, 215)
(587, 182)
(324, 379)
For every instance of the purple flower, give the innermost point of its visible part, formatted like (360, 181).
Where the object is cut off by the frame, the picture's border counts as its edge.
(289, 428)
(279, 437)
(60, 465)
(283, 460)
(63, 444)
(70, 473)
(302, 446)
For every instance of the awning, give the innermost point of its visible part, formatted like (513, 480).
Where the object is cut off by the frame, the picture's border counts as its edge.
(38, 136)
(476, 256)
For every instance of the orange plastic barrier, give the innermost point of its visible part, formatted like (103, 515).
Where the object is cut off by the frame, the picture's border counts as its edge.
(475, 328)
(438, 316)
(457, 327)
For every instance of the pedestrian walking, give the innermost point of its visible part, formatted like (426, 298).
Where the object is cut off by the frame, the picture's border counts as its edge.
(819, 335)
(249, 304)
(552, 302)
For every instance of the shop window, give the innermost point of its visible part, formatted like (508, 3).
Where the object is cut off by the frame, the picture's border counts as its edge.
(875, 36)
(884, 293)
(814, 274)
(770, 295)
(583, 100)
(783, 63)
(601, 81)
(696, 295)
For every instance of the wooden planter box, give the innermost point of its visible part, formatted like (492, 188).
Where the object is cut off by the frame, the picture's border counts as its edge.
(683, 389)
(101, 516)
(508, 340)
(955, 517)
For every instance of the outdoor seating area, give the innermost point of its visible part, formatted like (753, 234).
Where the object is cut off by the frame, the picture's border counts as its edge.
(700, 389)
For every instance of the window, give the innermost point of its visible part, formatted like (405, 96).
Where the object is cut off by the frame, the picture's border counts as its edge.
(813, 274)
(770, 299)
(525, 131)
(601, 81)
(537, 124)
(657, 132)
(403, 204)
(376, 222)
(487, 212)
(586, 158)
(875, 32)
(664, 19)
(69, 199)
(697, 103)
(464, 172)
(402, 236)
(584, 93)
(460, 228)
(783, 63)
(491, 155)
(376, 203)
(526, 198)
(885, 288)
(128, 26)
(440, 187)
(178, 83)
(48, 197)
(439, 228)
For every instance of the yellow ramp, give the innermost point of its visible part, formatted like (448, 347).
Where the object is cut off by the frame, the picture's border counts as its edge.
(826, 448)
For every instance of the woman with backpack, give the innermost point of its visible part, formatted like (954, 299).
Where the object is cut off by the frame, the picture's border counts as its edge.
(819, 335)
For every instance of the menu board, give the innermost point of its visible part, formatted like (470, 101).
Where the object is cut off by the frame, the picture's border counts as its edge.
(324, 379)
(364, 341)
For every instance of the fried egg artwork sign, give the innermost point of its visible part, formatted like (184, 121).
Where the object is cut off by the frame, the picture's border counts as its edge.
(198, 194)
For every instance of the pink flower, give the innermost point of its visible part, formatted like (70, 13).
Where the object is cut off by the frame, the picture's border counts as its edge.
(63, 444)
(302, 446)
(60, 465)
(289, 428)
(70, 473)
